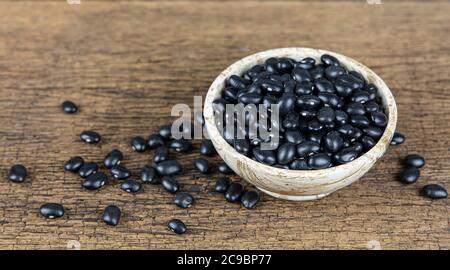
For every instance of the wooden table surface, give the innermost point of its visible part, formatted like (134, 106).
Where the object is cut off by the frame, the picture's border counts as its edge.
(126, 64)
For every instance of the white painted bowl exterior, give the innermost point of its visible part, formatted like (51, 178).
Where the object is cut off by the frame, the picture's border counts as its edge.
(298, 184)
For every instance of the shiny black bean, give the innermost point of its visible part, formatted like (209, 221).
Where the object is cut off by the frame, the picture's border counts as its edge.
(148, 175)
(271, 65)
(306, 63)
(254, 71)
(234, 192)
(346, 129)
(351, 80)
(90, 137)
(333, 141)
(290, 85)
(251, 98)
(299, 164)
(202, 165)
(113, 158)
(17, 173)
(341, 117)
(154, 141)
(329, 60)
(242, 146)
(183, 200)
(169, 167)
(358, 147)
(308, 102)
(177, 226)
(180, 145)
(330, 126)
(52, 210)
(285, 65)
(326, 115)
(314, 125)
(291, 120)
(265, 156)
(222, 184)
(238, 82)
(111, 215)
(269, 100)
(169, 184)
(294, 136)
(343, 89)
(355, 108)
(230, 94)
(368, 142)
(355, 135)
(224, 168)
(286, 103)
(120, 172)
(69, 107)
(379, 119)
(161, 154)
(415, 160)
(360, 97)
(307, 148)
(373, 131)
(131, 186)
(250, 199)
(138, 144)
(324, 86)
(372, 90)
(301, 75)
(95, 181)
(409, 175)
(87, 169)
(74, 164)
(359, 121)
(346, 155)
(316, 136)
(330, 99)
(319, 161)
(304, 88)
(272, 87)
(434, 191)
(332, 72)
(372, 106)
(308, 114)
(286, 153)
(207, 148)
(398, 138)
(165, 131)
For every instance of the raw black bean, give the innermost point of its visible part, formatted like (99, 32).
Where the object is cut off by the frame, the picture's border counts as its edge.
(234, 192)
(242, 146)
(355, 108)
(161, 154)
(250, 199)
(286, 103)
(434, 191)
(294, 136)
(341, 117)
(333, 141)
(346, 155)
(308, 102)
(343, 89)
(415, 160)
(329, 60)
(251, 98)
(222, 184)
(87, 169)
(307, 148)
(324, 86)
(120, 172)
(301, 75)
(180, 145)
(326, 115)
(317, 72)
(371, 106)
(272, 87)
(238, 82)
(316, 136)
(168, 167)
(95, 181)
(398, 138)
(224, 168)
(17, 173)
(202, 165)
(299, 164)
(285, 65)
(379, 119)
(332, 72)
(346, 130)
(69, 107)
(113, 158)
(183, 200)
(230, 93)
(291, 121)
(165, 131)
(177, 226)
(368, 142)
(358, 147)
(306, 63)
(111, 215)
(351, 80)
(74, 164)
(207, 148)
(319, 161)
(52, 210)
(286, 153)
(314, 125)
(304, 88)
(90, 137)
(131, 186)
(373, 131)
(139, 144)
(269, 100)
(330, 99)
(265, 156)
(360, 97)
(169, 184)
(308, 114)
(359, 121)
(409, 175)
(290, 85)
(148, 175)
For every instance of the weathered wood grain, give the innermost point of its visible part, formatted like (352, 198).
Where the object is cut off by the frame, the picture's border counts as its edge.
(127, 63)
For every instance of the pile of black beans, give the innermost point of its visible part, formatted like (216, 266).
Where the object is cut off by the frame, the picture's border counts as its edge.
(328, 115)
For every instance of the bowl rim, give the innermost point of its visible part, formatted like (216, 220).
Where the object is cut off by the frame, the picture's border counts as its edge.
(390, 108)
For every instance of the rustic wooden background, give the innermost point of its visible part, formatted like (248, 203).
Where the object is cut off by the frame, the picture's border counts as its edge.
(127, 63)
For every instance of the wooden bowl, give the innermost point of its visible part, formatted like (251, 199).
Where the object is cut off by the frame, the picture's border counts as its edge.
(298, 184)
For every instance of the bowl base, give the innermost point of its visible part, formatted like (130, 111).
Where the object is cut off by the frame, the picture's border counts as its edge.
(295, 198)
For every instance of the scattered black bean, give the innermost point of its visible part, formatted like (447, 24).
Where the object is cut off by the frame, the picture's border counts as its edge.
(415, 160)
(207, 148)
(165, 131)
(169, 167)
(224, 168)
(52, 210)
(250, 199)
(234, 192)
(87, 169)
(90, 137)
(398, 138)
(120, 172)
(95, 181)
(138, 144)
(148, 175)
(434, 191)
(131, 186)
(69, 107)
(202, 165)
(183, 200)
(177, 226)
(74, 164)
(111, 215)
(161, 154)
(180, 145)
(113, 158)
(409, 175)
(169, 184)
(222, 184)
(154, 141)
(17, 173)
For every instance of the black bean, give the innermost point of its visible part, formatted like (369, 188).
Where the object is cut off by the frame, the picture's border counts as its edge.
(207, 148)
(74, 164)
(111, 215)
(324, 86)
(285, 65)
(398, 138)
(69, 107)
(358, 147)
(301, 75)
(317, 71)
(409, 175)
(360, 97)
(131, 186)
(332, 72)
(224, 168)
(314, 125)
(355, 108)
(294, 136)
(319, 161)
(251, 98)
(359, 121)
(183, 200)
(308, 102)
(371, 106)
(250, 199)
(326, 115)
(329, 60)
(316, 136)
(290, 85)
(202, 165)
(343, 89)
(291, 120)
(230, 94)
(222, 184)
(346, 155)
(265, 156)
(333, 141)
(355, 135)
(368, 142)
(373, 131)
(299, 164)
(169, 167)
(379, 119)
(330, 99)
(17, 173)
(341, 117)
(346, 129)
(161, 154)
(87, 169)
(308, 114)
(148, 175)
(272, 87)
(95, 181)
(307, 148)
(180, 145)
(269, 100)
(234, 192)
(238, 82)
(304, 88)
(434, 191)
(351, 80)
(52, 210)
(169, 184)
(286, 103)
(306, 63)
(138, 144)
(286, 153)
(177, 226)
(90, 137)
(113, 158)
(242, 146)
(415, 160)
(120, 172)
(165, 131)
